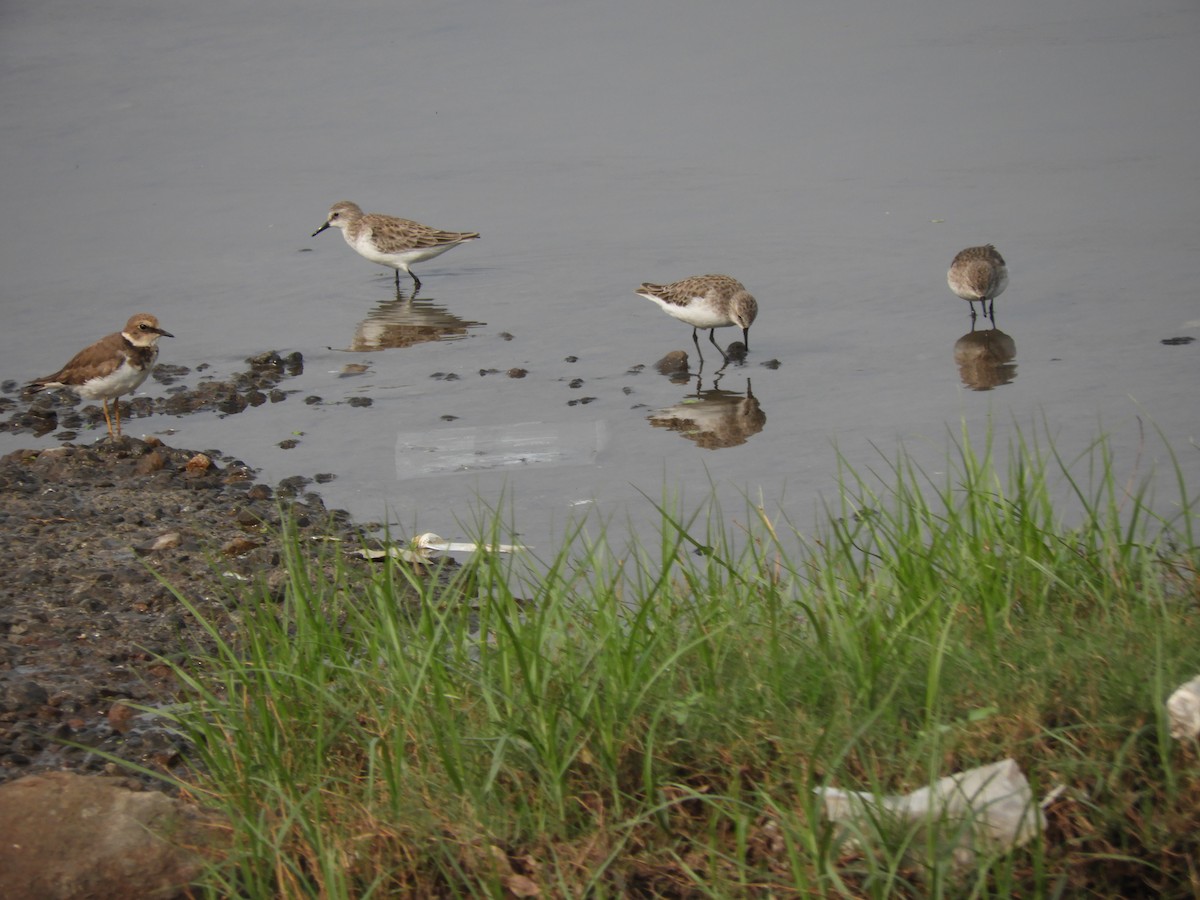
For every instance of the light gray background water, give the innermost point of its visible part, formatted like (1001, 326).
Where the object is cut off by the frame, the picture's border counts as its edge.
(174, 157)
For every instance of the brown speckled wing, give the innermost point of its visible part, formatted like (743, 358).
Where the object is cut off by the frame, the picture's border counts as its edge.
(102, 358)
(393, 235)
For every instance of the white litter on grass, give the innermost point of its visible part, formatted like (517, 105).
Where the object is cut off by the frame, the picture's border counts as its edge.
(984, 810)
(1183, 709)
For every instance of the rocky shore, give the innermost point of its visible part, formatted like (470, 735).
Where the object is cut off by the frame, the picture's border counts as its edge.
(101, 540)
(97, 537)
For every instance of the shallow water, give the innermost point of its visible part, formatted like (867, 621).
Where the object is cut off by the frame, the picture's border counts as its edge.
(834, 157)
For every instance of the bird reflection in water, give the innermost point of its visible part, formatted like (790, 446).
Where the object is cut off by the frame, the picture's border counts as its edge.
(714, 418)
(404, 322)
(984, 359)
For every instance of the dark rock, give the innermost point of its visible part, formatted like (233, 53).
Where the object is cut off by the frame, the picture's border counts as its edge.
(673, 362)
(25, 695)
(239, 546)
(232, 404)
(290, 487)
(268, 360)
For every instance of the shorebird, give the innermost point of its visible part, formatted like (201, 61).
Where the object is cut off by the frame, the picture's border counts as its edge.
(706, 301)
(979, 273)
(114, 365)
(389, 241)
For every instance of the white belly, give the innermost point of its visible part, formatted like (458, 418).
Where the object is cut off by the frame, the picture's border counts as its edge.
(399, 259)
(123, 381)
(698, 313)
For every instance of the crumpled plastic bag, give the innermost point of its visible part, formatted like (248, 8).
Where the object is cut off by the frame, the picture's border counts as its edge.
(989, 809)
(1183, 709)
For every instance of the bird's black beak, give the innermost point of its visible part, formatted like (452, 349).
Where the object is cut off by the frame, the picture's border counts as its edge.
(319, 230)
(746, 337)
(163, 333)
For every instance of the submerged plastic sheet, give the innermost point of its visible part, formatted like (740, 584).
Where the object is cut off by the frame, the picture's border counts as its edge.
(448, 451)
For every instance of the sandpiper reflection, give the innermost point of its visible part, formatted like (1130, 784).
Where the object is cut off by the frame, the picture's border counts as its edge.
(403, 322)
(714, 418)
(984, 359)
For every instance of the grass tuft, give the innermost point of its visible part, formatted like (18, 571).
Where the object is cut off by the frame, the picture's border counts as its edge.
(652, 720)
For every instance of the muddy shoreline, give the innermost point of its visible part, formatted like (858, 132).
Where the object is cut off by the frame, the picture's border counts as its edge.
(97, 534)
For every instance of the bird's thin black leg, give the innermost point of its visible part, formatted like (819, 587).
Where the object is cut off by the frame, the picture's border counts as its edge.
(696, 341)
(712, 336)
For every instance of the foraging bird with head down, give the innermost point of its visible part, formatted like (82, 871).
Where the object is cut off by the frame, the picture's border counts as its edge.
(706, 301)
(979, 273)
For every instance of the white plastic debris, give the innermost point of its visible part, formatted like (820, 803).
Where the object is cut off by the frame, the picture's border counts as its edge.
(989, 809)
(424, 545)
(395, 552)
(1183, 709)
(431, 541)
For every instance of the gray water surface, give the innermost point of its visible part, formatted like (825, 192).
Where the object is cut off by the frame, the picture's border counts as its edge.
(175, 157)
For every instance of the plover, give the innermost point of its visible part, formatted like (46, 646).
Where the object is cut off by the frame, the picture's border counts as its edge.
(114, 365)
(706, 301)
(390, 241)
(979, 273)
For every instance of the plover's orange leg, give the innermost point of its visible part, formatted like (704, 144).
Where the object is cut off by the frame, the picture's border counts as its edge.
(107, 420)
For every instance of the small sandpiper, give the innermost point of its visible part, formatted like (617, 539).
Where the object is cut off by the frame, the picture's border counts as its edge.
(114, 365)
(390, 241)
(706, 301)
(979, 273)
